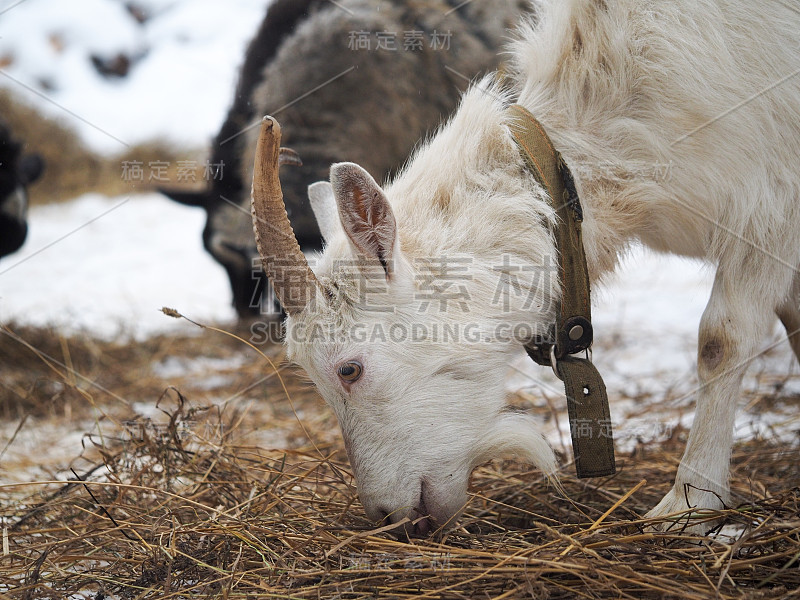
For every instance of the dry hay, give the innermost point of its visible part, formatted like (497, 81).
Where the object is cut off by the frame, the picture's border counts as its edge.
(188, 508)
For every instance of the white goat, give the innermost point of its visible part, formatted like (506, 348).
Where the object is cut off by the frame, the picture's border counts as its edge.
(403, 326)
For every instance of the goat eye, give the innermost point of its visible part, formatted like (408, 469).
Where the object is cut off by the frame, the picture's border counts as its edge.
(349, 372)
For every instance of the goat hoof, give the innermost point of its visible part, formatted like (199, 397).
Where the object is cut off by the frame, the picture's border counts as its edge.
(687, 509)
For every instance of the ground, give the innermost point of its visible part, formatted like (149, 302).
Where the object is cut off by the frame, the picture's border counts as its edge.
(213, 469)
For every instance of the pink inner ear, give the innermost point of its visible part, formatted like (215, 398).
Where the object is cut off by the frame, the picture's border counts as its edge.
(366, 216)
(375, 225)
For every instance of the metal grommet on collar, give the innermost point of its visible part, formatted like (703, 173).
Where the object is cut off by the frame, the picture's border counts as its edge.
(575, 335)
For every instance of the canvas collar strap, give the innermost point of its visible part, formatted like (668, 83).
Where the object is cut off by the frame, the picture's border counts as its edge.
(587, 401)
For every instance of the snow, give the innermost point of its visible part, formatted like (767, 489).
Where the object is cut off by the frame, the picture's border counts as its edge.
(108, 265)
(172, 366)
(29, 459)
(186, 59)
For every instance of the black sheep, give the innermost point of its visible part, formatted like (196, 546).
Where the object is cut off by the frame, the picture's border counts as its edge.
(17, 170)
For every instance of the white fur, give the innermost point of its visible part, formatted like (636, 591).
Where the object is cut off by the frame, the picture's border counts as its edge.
(324, 206)
(634, 94)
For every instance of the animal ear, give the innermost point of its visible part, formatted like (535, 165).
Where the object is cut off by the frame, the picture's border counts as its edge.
(30, 168)
(365, 213)
(324, 206)
(201, 199)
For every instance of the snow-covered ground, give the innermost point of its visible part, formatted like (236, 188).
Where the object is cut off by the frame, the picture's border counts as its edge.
(184, 59)
(108, 265)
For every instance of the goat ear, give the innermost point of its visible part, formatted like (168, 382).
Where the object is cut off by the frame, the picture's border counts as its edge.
(365, 213)
(324, 206)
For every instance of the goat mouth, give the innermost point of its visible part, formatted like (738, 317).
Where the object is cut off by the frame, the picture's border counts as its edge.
(422, 526)
(417, 522)
(423, 523)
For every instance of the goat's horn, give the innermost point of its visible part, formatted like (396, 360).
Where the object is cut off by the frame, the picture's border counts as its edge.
(285, 264)
(288, 156)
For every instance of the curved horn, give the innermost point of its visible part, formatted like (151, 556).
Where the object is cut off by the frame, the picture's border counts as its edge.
(285, 264)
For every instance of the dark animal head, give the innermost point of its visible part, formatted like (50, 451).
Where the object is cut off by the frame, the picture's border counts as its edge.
(17, 170)
(228, 234)
(369, 107)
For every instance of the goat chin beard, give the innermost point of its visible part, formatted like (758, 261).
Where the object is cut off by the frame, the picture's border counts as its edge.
(516, 434)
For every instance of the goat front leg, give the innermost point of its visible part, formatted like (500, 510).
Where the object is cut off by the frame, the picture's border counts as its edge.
(789, 314)
(733, 323)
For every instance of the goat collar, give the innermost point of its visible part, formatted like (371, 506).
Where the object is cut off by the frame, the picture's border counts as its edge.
(587, 401)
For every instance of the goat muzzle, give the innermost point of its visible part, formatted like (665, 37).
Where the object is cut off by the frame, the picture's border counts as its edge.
(284, 263)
